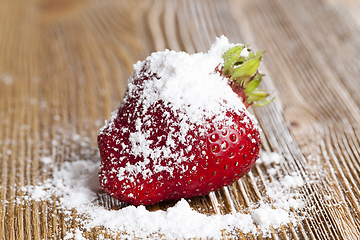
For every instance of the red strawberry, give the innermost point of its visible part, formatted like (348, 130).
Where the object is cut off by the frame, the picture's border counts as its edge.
(181, 130)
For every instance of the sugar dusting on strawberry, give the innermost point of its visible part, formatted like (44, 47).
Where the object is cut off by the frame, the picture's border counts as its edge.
(182, 129)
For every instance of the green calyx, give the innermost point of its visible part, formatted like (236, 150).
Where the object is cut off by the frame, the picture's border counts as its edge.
(241, 70)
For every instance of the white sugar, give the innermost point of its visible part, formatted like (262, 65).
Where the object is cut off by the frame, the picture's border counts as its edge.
(293, 181)
(6, 79)
(76, 235)
(178, 222)
(188, 82)
(266, 216)
(76, 186)
(269, 158)
(38, 193)
(244, 52)
(46, 160)
(281, 191)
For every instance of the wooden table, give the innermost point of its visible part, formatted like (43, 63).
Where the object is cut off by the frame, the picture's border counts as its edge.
(64, 66)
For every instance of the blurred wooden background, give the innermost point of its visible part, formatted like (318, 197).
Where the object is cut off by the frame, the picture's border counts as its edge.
(64, 65)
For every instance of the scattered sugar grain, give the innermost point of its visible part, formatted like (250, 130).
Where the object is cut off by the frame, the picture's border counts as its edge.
(46, 160)
(295, 203)
(266, 216)
(77, 235)
(292, 181)
(32, 101)
(6, 79)
(273, 171)
(269, 158)
(39, 193)
(76, 137)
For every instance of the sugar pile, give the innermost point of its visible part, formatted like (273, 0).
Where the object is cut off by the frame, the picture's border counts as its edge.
(76, 186)
(198, 88)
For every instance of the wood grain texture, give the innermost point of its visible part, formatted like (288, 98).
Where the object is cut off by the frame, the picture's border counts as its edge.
(64, 67)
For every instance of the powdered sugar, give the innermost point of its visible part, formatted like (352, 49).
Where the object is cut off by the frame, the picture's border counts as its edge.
(188, 82)
(6, 79)
(76, 235)
(266, 216)
(269, 158)
(76, 186)
(180, 222)
(292, 181)
(46, 160)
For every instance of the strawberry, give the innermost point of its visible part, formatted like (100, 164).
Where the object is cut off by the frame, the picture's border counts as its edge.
(182, 128)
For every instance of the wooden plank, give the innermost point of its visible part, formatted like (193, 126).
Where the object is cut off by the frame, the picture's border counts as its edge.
(64, 66)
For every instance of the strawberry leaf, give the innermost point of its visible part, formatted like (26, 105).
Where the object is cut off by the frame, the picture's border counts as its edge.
(243, 76)
(246, 69)
(231, 57)
(256, 95)
(264, 103)
(254, 55)
(254, 83)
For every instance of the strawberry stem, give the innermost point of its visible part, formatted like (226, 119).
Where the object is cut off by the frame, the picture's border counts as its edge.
(241, 69)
